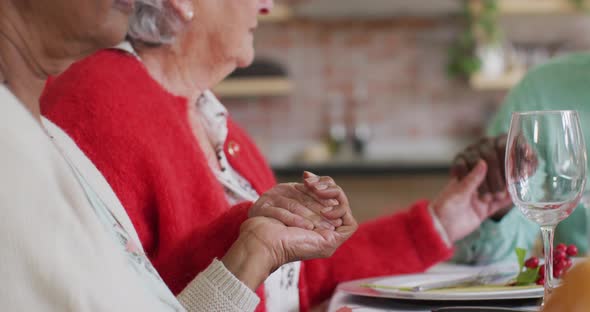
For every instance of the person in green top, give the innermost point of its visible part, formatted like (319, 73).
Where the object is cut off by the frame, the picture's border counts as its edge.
(562, 84)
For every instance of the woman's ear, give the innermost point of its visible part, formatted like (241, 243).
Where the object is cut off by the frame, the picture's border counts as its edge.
(184, 9)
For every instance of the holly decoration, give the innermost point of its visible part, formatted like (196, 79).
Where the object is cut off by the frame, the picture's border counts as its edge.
(527, 273)
(532, 271)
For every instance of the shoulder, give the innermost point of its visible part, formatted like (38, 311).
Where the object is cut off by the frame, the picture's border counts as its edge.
(559, 72)
(104, 77)
(109, 93)
(21, 138)
(28, 160)
(561, 83)
(98, 70)
(567, 62)
(101, 104)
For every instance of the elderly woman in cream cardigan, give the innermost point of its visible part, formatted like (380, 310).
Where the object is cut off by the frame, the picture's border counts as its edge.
(67, 242)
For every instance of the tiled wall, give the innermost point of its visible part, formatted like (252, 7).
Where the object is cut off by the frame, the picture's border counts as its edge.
(411, 105)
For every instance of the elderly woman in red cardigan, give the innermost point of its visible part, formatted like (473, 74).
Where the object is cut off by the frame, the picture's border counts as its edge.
(180, 165)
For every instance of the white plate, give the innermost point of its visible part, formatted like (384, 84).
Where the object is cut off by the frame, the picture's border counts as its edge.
(389, 287)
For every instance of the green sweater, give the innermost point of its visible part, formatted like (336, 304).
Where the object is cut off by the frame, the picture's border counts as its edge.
(563, 84)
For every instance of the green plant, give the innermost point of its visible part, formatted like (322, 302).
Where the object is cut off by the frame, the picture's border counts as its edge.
(463, 61)
(486, 23)
(526, 275)
(579, 4)
(481, 27)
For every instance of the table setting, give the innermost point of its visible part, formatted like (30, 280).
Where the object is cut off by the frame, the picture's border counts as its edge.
(545, 165)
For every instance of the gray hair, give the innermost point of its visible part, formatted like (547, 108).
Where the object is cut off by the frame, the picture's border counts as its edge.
(154, 22)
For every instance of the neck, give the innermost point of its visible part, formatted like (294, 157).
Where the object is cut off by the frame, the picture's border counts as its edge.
(184, 70)
(23, 68)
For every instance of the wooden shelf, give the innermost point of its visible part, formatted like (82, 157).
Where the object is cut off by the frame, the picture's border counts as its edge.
(480, 82)
(279, 13)
(539, 7)
(520, 7)
(253, 87)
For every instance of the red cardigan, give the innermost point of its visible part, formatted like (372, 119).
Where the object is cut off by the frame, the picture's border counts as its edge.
(139, 137)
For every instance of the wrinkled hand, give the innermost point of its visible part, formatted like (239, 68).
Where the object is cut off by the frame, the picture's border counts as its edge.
(459, 207)
(303, 206)
(266, 243)
(294, 243)
(325, 189)
(287, 244)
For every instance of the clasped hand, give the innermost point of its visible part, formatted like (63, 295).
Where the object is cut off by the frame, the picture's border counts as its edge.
(299, 221)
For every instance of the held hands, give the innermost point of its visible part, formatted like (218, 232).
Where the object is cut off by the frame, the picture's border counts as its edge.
(493, 189)
(288, 244)
(478, 188)
(318, 203)
(265, 242)
(459, 207)
(492, 151)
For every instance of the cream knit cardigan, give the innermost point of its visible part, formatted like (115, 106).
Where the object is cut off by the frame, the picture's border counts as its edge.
(54, 253)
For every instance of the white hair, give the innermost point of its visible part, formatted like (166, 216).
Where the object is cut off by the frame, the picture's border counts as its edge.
(154, 22)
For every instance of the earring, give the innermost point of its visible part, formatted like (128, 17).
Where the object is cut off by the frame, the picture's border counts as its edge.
(186, 10)
(264, 6)
(189, 15)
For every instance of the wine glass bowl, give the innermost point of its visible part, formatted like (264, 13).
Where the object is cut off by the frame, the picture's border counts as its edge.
(546, 170)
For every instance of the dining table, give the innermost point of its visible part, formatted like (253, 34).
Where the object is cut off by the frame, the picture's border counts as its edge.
(349, 297)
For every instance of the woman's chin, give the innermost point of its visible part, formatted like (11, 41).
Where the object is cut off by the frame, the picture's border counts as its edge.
(115, 30)
(246, 59)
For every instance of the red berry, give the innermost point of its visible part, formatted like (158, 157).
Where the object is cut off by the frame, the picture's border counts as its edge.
(541, 281)
(559, 255)
(557, 273)
(532, 263)
(561, 247)
(559, 265)
(572, 250)
(542, 272)
(568, 263)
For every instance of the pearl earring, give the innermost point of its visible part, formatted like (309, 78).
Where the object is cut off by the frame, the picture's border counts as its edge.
(189, 15)
(186, 10)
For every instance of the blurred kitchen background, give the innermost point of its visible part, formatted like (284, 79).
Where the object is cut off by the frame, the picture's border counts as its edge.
(381, 94)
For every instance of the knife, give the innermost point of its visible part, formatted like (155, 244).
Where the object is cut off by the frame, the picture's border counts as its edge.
(474, 280)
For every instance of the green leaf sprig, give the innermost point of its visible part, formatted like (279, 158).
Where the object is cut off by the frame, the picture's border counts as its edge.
(526, 276)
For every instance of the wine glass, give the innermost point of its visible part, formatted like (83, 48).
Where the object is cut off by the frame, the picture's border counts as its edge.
(546, 171)
(585, 201)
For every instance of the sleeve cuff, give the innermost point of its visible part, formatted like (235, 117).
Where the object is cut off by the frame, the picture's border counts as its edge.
(439, 228)
(215, 288)
(427, 240)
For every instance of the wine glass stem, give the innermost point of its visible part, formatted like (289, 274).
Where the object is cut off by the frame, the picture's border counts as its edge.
(547, 231)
